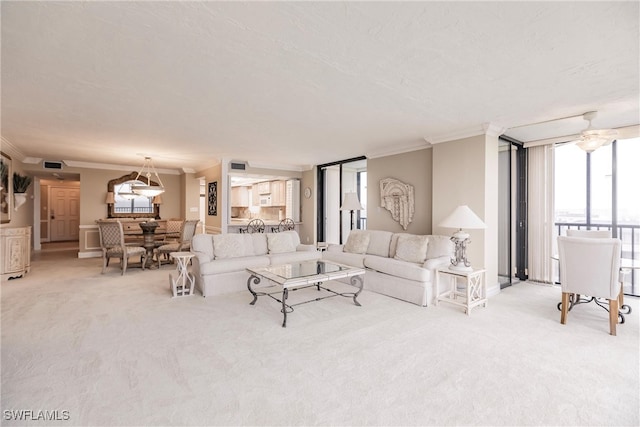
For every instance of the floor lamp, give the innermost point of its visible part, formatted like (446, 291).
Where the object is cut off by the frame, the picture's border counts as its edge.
(351, 203)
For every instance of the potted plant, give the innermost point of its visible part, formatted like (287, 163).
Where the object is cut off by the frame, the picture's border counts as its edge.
(4, 176)
(20, 185)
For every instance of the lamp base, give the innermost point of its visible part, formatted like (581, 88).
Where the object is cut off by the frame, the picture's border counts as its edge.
(460, 267)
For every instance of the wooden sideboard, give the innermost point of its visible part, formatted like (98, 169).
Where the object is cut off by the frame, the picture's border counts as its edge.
(16, 252)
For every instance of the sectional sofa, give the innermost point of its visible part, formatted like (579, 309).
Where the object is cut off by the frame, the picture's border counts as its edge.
(399, 265)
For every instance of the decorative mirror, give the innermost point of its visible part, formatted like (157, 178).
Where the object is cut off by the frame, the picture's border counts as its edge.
(126, 204)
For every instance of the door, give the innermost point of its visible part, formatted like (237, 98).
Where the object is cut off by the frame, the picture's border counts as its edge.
(64, 213)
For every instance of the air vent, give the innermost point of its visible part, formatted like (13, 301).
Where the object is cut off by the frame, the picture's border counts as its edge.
(52, 165)
(238, 166)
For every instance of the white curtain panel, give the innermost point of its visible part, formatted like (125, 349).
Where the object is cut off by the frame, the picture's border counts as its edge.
(542, 236)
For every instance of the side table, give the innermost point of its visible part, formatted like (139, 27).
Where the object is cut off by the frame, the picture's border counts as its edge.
(183, 285)
(474, 295)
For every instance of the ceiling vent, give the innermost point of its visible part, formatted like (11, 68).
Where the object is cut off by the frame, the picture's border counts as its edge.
(238, 166)
(52, 165)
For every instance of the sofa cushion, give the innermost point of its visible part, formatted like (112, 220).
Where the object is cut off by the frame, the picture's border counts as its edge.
(228, 245)
(379, 242)
(412, 248)
(279, 243)
(398, 268)
(294, 236)
(259, 243)
(439, 246)
(355, 260)
(203, 243)
(357, 242)
(233, 264)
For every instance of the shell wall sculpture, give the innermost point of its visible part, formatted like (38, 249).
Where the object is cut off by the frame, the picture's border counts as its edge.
(398, 198)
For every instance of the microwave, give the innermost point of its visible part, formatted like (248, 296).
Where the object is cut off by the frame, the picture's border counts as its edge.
(265, 200)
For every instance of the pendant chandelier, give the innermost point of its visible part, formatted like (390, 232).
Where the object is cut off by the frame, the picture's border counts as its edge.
(148, 190)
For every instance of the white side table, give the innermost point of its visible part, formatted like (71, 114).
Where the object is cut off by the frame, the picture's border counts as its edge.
(474, 295)
(183, 285)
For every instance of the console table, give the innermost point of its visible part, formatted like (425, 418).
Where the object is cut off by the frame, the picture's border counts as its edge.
(15, 244)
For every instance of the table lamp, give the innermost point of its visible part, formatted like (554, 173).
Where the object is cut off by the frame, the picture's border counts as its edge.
(461, 217)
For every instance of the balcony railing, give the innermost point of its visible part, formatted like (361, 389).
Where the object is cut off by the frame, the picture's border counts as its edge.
(628, 234)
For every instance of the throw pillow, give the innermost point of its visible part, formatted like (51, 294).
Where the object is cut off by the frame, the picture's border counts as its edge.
(279, 243)
(439, 246)
(228, 246)
(412, 248)
(357, 242)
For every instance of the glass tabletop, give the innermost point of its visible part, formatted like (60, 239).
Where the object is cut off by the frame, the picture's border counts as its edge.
(304, 269)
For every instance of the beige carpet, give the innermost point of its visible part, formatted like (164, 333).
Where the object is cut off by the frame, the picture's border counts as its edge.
(120, 351)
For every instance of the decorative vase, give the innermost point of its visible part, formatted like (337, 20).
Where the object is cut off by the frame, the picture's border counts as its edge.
(19, 200)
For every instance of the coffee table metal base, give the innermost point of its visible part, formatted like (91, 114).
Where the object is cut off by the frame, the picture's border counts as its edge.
(288, 308)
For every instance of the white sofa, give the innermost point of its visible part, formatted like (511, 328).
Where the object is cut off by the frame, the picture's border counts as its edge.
(221, 260)
(399, 265)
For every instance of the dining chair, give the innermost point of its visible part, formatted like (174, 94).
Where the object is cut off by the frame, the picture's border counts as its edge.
(255, 226)
(113, 246)
(590, 267)
(183, 244)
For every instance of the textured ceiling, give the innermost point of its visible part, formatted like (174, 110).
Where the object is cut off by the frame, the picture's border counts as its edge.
(302, 83)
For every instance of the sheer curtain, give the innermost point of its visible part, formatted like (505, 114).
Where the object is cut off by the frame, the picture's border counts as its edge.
(541, 234)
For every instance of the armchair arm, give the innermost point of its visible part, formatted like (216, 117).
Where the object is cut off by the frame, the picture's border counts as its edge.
(305, 248)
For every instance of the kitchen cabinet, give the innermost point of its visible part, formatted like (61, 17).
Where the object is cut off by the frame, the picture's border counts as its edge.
(263, 187)
(255, 196)
(16, 251)
(278, 193)
(240, 196)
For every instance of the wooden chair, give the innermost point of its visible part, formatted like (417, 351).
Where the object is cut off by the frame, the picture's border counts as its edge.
(255, 226)
(590, 267)
(187, 231)
(113, 246)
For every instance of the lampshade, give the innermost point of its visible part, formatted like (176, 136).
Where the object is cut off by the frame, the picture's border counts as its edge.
(157, 200)
(462, 217)
(110, 198)
(148, 190)
(351, 202)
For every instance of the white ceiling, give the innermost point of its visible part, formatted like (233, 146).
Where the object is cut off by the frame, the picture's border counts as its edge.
(302, 83)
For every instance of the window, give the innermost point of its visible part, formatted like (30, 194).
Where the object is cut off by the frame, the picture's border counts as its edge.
(598, 191)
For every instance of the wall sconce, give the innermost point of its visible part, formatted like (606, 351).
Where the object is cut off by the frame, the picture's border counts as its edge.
(110, 199)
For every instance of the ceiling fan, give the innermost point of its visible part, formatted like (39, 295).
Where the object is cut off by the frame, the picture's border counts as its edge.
(591, 139)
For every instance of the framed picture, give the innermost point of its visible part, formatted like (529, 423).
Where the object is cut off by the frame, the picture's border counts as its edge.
(213, 198)
(6, 192)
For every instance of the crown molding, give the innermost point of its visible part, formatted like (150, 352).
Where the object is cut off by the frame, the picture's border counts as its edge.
(398, 149)
(279, 166)
(489, 129)
(8, 148)
(108, 166)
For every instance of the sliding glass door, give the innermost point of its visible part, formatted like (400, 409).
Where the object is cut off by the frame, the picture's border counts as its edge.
(599, 191)
(335, 181)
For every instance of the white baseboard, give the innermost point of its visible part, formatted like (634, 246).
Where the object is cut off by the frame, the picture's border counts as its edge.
(90, 254)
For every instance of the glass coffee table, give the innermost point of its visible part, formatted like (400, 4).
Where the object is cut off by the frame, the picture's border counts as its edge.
(301, 275)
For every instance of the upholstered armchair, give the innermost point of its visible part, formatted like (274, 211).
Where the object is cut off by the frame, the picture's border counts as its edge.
(590, 267)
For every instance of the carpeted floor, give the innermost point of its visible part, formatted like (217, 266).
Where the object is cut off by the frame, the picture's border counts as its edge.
(113, 350)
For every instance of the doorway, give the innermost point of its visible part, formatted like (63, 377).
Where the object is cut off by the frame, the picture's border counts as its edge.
(335, 180)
